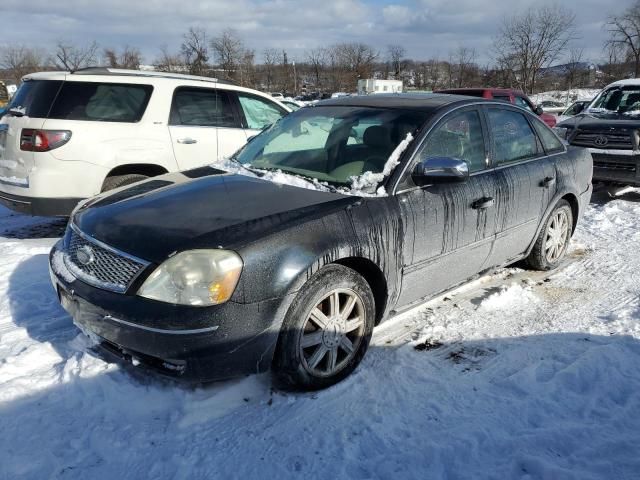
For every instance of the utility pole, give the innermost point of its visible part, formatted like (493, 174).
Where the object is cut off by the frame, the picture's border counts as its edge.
(295, 79)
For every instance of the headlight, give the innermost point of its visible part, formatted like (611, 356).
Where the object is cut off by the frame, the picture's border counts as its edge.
(563, 132)
(195, 277)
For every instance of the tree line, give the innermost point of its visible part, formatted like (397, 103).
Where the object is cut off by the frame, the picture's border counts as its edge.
(524, 47)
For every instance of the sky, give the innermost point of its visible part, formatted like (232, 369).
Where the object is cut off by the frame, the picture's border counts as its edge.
(425, 28)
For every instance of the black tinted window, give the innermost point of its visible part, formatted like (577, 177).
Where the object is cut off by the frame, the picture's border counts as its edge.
(105, 102)
(549, 139)
(203, 107)
(459, 136)
(35, 97)
(512, 135)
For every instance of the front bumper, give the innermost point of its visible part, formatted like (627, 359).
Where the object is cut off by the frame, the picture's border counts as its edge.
(616, 168)
(190, 343)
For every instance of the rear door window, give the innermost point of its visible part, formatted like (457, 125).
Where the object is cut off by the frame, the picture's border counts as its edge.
(550, 141)
(513, 138)
(258, 112)
(34, 97)
(202, 107)
(101, 102)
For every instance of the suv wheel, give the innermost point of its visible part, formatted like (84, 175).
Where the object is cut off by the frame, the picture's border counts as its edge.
(326, 331)
(553, 240)
(121, 180)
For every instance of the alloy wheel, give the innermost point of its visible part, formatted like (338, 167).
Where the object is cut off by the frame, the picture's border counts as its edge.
(557, 236)
(332, 333)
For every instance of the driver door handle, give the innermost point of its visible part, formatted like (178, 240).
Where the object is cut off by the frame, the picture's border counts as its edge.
(482, 203)
(187, 141)
(548, 181)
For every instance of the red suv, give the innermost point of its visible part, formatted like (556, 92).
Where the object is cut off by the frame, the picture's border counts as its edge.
(515, 97)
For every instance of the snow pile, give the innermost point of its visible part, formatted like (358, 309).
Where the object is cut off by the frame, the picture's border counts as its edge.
(565, 96)
(508, 298)
(365, 184)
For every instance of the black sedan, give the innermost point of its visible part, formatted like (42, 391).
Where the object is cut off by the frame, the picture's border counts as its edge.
(337, 217)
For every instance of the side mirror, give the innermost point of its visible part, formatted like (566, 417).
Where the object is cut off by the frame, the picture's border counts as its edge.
(440, 170)
(539, 111)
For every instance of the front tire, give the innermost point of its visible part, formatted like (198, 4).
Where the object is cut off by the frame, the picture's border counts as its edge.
(326, 331)
(553, 240)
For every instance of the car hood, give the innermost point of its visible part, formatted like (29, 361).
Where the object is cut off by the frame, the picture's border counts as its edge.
(203, 208)
(598, 120)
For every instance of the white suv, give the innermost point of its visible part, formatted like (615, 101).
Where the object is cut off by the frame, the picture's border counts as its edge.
(69, 136)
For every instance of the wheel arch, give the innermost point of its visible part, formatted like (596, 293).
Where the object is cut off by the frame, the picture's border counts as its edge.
(148, 169)
(373, 275)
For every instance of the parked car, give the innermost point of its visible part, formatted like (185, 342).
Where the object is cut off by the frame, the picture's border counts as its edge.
(278, 96)
(552, 107)
(70, 136)
(291, 261)
(574, 109)
(609, 128)
(515, 97)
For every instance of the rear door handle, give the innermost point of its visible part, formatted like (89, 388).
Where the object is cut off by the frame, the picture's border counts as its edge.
(484, 202)
(548, 181)
(187, 141)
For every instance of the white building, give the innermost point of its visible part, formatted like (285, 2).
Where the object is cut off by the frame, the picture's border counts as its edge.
(373, 85)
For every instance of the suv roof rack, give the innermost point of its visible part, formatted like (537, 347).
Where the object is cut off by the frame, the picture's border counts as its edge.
(146, 73)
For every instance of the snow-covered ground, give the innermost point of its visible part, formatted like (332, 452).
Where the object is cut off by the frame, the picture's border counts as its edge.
(516, 375)
(565, 96)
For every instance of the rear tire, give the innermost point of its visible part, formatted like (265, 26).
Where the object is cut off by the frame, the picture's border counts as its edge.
(553, 240)
(326, 331)
(121, 180)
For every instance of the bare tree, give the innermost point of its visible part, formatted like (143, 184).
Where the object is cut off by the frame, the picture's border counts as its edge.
(357, 59)
(130, 58)
(169, 62)
(72, 57)
(463, 66)
(624, 34)
(19, 60)
(270, 58)
(229, 50)
(534, 39)
(395, 55)
(317, 60)
(194, 51)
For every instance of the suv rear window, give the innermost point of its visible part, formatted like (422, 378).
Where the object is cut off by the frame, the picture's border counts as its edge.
(34, 97)
(101, 102)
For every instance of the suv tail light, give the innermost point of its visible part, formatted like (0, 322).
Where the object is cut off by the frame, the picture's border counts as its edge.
(32, 140)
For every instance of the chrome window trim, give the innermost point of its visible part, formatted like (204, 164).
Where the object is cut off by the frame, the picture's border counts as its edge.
(395, 190)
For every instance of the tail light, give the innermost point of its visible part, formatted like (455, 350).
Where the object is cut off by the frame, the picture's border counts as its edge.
(32, 140)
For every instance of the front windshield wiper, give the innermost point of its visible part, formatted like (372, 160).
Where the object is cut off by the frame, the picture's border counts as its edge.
(308, 178)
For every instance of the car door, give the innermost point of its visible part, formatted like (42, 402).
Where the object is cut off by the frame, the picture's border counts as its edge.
(524, 181)
(449, 227)
(257, 112)
(199, 118)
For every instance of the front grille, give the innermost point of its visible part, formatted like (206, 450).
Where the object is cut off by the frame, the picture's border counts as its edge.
(99, 265)
(619, 166)
(614, 140)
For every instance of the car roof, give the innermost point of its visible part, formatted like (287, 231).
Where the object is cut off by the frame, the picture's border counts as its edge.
(625, 83)
(407, 101)
(462, 91)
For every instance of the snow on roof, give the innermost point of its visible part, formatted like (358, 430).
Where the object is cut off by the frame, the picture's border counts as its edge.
(624, 83)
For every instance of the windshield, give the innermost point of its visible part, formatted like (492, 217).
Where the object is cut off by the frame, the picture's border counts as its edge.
(618, 99)
(331, 144)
